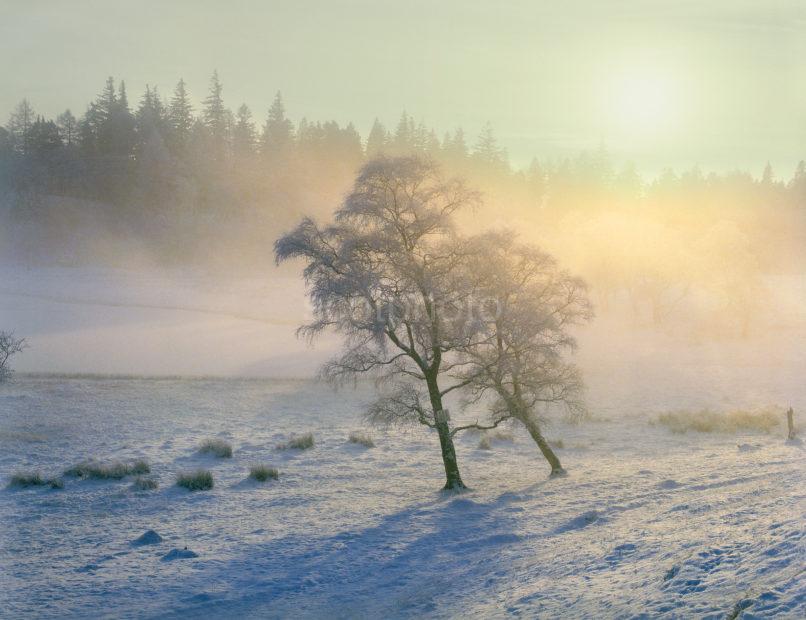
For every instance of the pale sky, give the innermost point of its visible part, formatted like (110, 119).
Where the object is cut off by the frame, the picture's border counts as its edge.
(718, 83)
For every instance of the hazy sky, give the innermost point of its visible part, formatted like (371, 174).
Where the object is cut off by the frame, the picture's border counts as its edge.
(719, 83)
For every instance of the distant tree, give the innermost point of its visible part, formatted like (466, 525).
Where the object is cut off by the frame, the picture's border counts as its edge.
(151, 118)
(278, 132)
(384, 276)
(9, 347)
(527, 306)
(68, 128)
(403, 140)
(43, 138)
(6, 145)
(216, 119)
(487, 152)
(767, 177)
(111, 123)
(244, 136)
(454, 147)
(19, 125)
(180, 114)
(376, 140)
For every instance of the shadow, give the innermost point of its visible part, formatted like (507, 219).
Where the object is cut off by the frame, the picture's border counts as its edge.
(405, 556)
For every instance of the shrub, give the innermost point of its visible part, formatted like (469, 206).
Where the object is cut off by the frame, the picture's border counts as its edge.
(300, 442)
(199, 480)
(705, 421)
(9, 347)
(557, 443)
(217, 447)
(144, 484)
(25, 480)
(485, 443)
(361, 438)
(262, 473)
(114, 470)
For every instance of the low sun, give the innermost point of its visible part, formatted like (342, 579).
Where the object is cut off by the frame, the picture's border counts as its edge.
(642, 102)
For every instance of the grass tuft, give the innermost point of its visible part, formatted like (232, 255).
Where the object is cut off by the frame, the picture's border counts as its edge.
(199, 480)
(361, 438)
(25, 480)
(142, 483)
(559, 444)
(300, 442)
(262, 473)
(217, 447)
(114, 470)
(487, 439)
(705, 421)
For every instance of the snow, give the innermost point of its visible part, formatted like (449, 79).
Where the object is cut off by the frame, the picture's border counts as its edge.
(645, 523)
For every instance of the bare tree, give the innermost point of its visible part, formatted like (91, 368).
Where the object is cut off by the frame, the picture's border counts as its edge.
(387, 276)
(526, 307)
(9, 346)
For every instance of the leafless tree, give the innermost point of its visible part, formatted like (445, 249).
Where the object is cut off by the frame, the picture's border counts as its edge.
(526, 306)
(388, 276)
(9, 346)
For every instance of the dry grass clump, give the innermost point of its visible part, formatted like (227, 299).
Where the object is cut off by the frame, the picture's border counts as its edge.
(262, 473)
(705, 421)
(114, 470)
(143, 483)
(361, 438)
(557, 443)
(217, 447)
(25, 480)
(300, 442)
(199, 480)
(487, 439)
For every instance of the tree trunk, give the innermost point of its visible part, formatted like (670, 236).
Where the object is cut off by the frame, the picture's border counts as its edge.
(452, 478)
(545, 448)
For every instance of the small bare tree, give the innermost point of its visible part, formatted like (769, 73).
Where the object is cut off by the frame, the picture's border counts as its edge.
(386, 275)
(9, 346)
(526, 306)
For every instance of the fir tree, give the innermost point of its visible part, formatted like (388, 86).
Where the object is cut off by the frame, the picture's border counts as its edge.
(278, 132)
(180, 115)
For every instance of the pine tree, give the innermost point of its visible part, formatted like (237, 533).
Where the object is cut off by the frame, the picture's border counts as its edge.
(403, 141)
(151, 120)
(278, 132)
(488, 153)
(216, 119)
(767, 177)
(244, 135)
(455, 147)
(43, 138)
(180, 114)
(377, 140)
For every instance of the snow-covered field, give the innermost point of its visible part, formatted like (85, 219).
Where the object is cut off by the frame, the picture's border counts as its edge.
(646, 524)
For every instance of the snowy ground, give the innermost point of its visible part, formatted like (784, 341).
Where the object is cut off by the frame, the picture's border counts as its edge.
(647, 524)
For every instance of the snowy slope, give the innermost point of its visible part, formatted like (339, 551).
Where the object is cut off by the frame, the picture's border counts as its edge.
(646, 524)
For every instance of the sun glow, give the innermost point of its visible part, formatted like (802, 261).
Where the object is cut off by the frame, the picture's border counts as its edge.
(643, 102)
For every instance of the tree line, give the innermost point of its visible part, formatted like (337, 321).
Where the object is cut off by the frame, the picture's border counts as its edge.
(181, 183)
